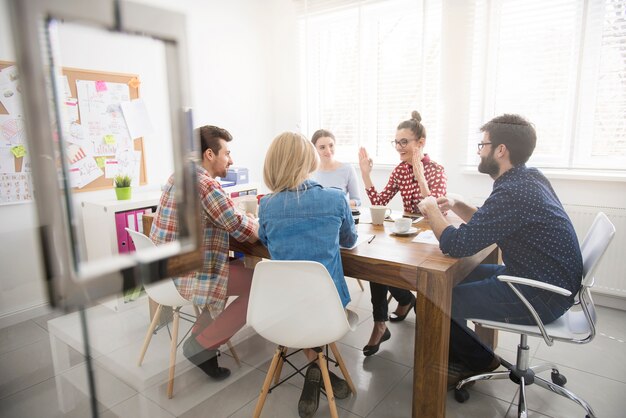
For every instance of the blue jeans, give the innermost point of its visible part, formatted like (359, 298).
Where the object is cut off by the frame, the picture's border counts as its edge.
(481, 295)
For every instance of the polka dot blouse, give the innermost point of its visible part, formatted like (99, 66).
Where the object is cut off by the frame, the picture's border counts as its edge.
(525, 218)
(403, 180)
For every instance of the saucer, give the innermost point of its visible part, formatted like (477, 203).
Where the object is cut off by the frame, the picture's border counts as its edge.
(410, 231)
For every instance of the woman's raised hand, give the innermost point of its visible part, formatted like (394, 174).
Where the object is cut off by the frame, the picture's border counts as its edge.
(365, 162)
(418, 166)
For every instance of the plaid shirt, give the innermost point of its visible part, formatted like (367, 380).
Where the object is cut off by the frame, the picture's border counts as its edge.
(219, 219)
(403, 179)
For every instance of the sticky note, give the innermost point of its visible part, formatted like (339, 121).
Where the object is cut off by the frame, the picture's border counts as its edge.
(100, 161)
(109, 139)
(19, 151)
(101, 86)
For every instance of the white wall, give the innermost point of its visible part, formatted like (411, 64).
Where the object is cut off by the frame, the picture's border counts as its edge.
(244, 75)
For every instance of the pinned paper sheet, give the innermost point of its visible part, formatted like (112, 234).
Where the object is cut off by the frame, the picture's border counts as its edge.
(101, 115)
(70, 107)
(426, 237)
(67, 92)
(77, 134)
(10, 95)
(100, 147)
(7, 160)
(129, 164)
(111, 168)
(109, 139)
(19, 151)
(75, 153)
(88, 171)
(12, 130)
(15, 188)
(137, 118)
(74, 174)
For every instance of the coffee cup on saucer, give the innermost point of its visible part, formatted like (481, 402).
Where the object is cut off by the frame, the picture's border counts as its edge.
(402, 225)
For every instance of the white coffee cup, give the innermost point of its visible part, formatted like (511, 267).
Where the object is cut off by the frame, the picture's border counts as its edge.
(402, 225)
(248, 206)
(379, 213)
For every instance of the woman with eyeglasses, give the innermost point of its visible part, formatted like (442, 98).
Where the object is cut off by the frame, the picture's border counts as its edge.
(416, 177)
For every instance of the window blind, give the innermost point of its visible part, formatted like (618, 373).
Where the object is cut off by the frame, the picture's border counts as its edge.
(561, 64)
(609, 103)
(366, 66)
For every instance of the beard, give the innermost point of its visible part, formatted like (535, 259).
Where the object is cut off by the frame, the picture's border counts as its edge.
(489, 165)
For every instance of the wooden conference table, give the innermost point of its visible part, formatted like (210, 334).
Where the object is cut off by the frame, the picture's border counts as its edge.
(396, 261)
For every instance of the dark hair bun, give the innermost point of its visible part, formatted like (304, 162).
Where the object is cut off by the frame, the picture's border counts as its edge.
(416, 115)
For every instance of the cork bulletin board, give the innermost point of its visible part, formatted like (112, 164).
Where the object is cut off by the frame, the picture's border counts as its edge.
(95, 82)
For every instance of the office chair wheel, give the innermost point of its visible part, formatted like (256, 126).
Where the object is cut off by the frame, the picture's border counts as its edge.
(558, 379)
(461, 395)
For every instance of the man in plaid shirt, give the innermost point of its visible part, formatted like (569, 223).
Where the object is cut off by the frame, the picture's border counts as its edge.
(210, 287)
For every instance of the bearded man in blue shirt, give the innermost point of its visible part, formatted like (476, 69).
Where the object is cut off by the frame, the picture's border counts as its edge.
(525, 218)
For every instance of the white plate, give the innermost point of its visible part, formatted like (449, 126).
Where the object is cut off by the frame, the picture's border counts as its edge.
(409, 232)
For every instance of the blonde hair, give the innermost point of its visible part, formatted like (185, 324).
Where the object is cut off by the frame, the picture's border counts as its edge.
(289, 161)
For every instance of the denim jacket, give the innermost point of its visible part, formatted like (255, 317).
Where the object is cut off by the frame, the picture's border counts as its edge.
(309, 224)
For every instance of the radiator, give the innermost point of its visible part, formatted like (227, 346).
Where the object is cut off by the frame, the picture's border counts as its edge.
(611, 274)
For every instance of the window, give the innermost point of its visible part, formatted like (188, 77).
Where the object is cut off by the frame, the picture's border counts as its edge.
(561, 64)
(365, 65)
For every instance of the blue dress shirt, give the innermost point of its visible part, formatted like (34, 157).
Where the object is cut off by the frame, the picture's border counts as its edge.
(525, 218)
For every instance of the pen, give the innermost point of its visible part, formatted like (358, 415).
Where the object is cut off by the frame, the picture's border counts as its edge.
(371, 239)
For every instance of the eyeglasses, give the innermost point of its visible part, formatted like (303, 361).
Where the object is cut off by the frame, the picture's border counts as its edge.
(401, 143)
(481, 145)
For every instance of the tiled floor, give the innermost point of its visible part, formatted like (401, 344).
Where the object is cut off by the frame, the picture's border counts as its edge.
(44, 377)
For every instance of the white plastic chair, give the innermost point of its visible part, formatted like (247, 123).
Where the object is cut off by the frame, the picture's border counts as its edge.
(166, 294)
(578, 325)
(295, 304)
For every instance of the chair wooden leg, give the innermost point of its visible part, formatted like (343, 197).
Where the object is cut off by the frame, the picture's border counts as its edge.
(266, 384)
(330, 396)
(360, 284)
(233, 353)
(342, 367)
(279, 367)
(173, 346)
(146, 341)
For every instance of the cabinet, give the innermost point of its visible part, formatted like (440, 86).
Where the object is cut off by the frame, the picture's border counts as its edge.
(104, 223)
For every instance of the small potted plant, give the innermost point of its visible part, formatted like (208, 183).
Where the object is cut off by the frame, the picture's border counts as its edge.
(122, 187)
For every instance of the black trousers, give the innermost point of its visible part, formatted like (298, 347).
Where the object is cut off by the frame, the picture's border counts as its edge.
(379, 299)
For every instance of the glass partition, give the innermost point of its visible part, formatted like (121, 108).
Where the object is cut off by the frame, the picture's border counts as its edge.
(106, 107)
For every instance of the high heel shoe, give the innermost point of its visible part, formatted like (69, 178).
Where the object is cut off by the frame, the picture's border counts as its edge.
(368, 350)
(394, 317)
